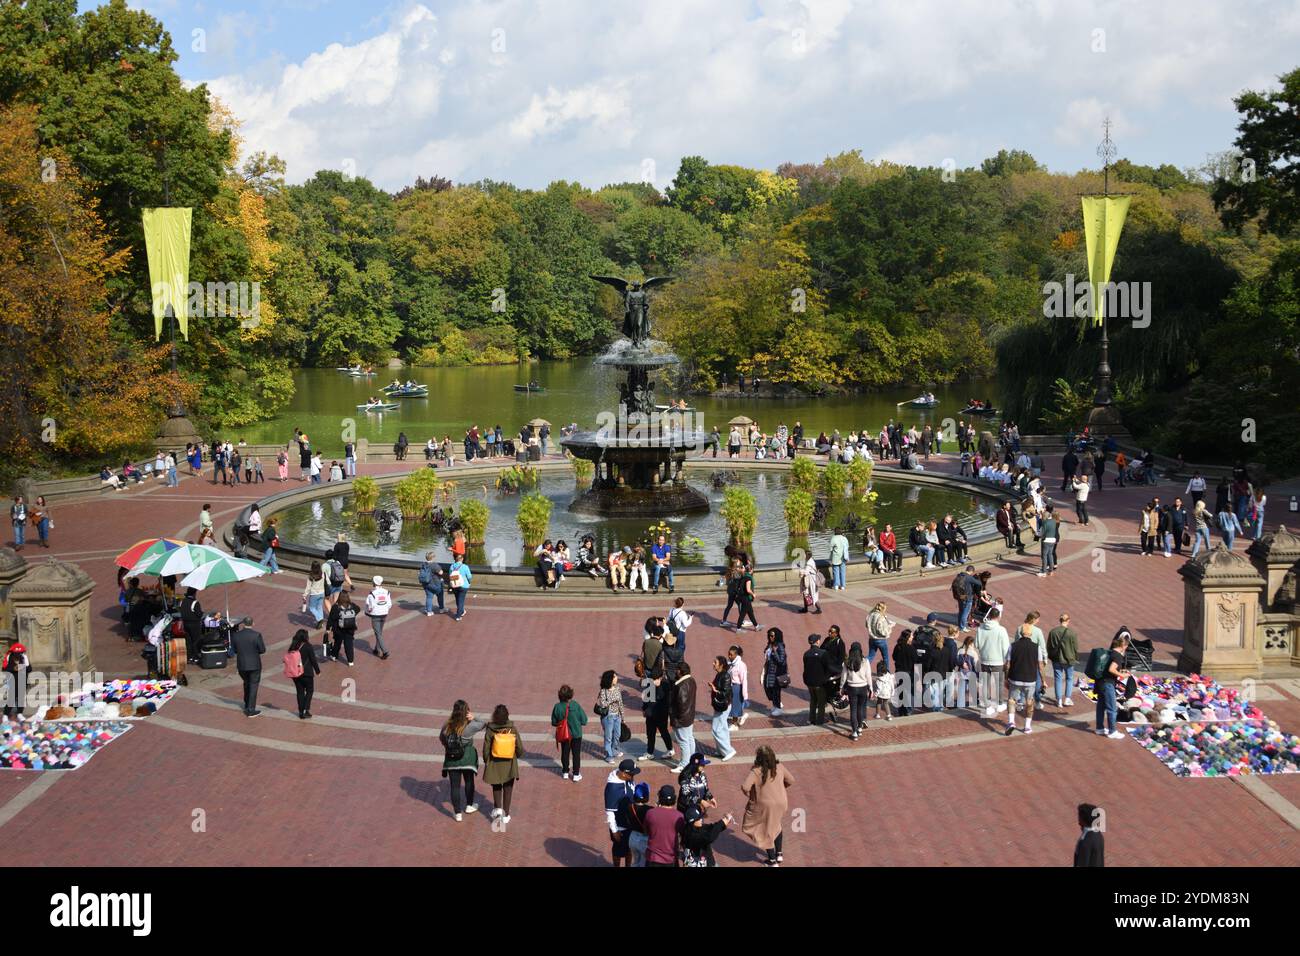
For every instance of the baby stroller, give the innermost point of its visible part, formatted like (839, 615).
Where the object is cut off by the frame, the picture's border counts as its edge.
(1139, 654)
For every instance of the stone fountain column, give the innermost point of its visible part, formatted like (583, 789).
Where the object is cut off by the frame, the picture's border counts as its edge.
(12, 568)
(1276, 556)
(52, 607)
(1221, 602)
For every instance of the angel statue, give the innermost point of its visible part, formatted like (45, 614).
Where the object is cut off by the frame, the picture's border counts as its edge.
(636, 305)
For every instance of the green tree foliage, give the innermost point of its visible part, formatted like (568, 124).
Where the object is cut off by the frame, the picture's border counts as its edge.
(1269, 137)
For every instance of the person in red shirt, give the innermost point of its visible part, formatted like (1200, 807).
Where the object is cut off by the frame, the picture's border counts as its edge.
(889, 545)
(663, 828)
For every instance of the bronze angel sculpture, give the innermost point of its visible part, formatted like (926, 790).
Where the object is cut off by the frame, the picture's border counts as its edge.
(636, 305)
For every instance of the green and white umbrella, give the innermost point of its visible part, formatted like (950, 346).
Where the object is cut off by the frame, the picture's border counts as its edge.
(224, 570)
(177, 561)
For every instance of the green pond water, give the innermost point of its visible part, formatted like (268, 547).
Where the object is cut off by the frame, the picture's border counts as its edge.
(577, 390)
(317, 523)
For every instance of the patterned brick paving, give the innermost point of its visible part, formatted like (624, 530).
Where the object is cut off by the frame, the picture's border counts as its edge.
(201, 784)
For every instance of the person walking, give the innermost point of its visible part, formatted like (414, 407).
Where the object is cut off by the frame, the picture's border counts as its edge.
(810, 580)
(678, 621)
(1063, 652)
(766, 802)
(681, 712)
(745, 597)
(430, 577)
(301, 667)
(775, 670)
(720, 700)
(855, 677)
(838, 559)
(460, 758)
(343, 627)
(609, 708)
(313, 594)
(1049, 532)
(1107, 693)
(1229, 527)
(501, 749)
(992, 643)
(879, 627)
(459, 577)
(18, 518)
(1200, 527)
(568, 718)
(1256, 514)
(963, 592)
(816, 675)
(739, 684)
(905, 665)
(378, 603)
(1147, 525)
(655, 705)
(270, 541)
(249, 648)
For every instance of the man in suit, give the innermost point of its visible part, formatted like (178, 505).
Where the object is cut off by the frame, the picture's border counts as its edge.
(1090, 850)
(816, 677)
(249, 648)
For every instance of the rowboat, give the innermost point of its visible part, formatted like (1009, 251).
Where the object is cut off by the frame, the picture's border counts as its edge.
(979, 410)
(420, 391)
(378, 407)
(674, 408)
(922, 402)
(530, 388)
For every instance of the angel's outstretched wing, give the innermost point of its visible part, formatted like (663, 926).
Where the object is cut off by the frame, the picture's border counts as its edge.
(618, 283)
(656, 280)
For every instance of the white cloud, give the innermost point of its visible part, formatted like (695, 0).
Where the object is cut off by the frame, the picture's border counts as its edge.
(569, 89)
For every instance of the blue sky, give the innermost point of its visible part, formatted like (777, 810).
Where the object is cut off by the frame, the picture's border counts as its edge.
(607, 90)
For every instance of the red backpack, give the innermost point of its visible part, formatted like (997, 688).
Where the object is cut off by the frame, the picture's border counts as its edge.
(562, 732)
(292, 664)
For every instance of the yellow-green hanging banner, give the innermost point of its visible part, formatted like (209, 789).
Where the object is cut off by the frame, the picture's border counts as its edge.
(167, 243)
(1103, 220)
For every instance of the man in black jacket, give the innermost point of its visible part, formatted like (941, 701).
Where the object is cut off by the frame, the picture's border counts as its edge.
(249, 648)
(1178, 523)
(1090, 850)
(192, 621)
(816, 675)
(925, 644)
(1069, 465)
(681, 713)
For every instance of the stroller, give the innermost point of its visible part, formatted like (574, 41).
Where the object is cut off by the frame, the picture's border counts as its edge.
(1139, 654)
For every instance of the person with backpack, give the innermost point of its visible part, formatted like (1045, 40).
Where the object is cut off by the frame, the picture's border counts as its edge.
(332, 574)
(1063, 652)
(609, 708)
(654, 705)
(430, 578)
(300, 667)
(678, 621)
(378, 603)
(963, 592)
(343, 627)
(501, 749)
(619, 793)
(1106, 668)
(460, 758)
(568, 718)
(459, 578)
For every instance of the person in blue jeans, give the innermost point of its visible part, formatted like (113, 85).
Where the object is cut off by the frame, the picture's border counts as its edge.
(879, 627)
(609, 707)
(1049, 532)
(838, 558)
(459, 576)
(1229, 526)
(1107, 696)
(966, 581)
(18, 515)
(662, 552)
(431, 580)
(269, 540)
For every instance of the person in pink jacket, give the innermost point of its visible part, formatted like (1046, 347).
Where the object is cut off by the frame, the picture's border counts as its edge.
(739, 684)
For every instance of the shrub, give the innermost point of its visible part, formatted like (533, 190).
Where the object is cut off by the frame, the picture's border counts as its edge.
(415, 492)
(860, 475)
(583, 469)
(799, 510)
(365, 494)
(803, 474)
(534, 516)
(740, 511)
(474, 520)
(835, 478)
(514, 479)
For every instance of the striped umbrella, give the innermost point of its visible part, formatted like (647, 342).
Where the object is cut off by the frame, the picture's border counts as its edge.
(224, 570)
(180, 560)
(146, 548)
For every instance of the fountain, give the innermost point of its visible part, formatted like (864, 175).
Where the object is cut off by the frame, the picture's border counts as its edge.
(640, 452)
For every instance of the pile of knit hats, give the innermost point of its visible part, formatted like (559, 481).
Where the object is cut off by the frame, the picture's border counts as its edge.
(34, 745)
(1222, 749)
(1168, 698)
(113, 700)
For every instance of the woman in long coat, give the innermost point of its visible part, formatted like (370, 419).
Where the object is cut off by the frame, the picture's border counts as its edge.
(500, 773)
(765, 788)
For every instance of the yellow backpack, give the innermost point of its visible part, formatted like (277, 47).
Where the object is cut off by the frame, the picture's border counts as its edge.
(503, 745)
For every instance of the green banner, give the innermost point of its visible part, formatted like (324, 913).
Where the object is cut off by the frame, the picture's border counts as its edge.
(1103, 220)
(167, 243)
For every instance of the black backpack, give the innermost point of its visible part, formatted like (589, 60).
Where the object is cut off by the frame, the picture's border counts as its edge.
(454, 745)
(959, 587)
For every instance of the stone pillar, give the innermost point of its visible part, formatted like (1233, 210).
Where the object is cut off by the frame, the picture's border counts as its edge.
(1221, 595)
(52, 607)
(12, 568)
(1276, 556)
(363, 450)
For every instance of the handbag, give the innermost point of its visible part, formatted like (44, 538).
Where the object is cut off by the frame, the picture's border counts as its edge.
(783, 681)
(563, 734)
(624, 734)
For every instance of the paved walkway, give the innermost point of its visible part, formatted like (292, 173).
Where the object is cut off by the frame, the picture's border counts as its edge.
(361, 783)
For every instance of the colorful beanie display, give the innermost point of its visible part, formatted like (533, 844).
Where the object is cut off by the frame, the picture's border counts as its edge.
(59, 745)
(1221, 749)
